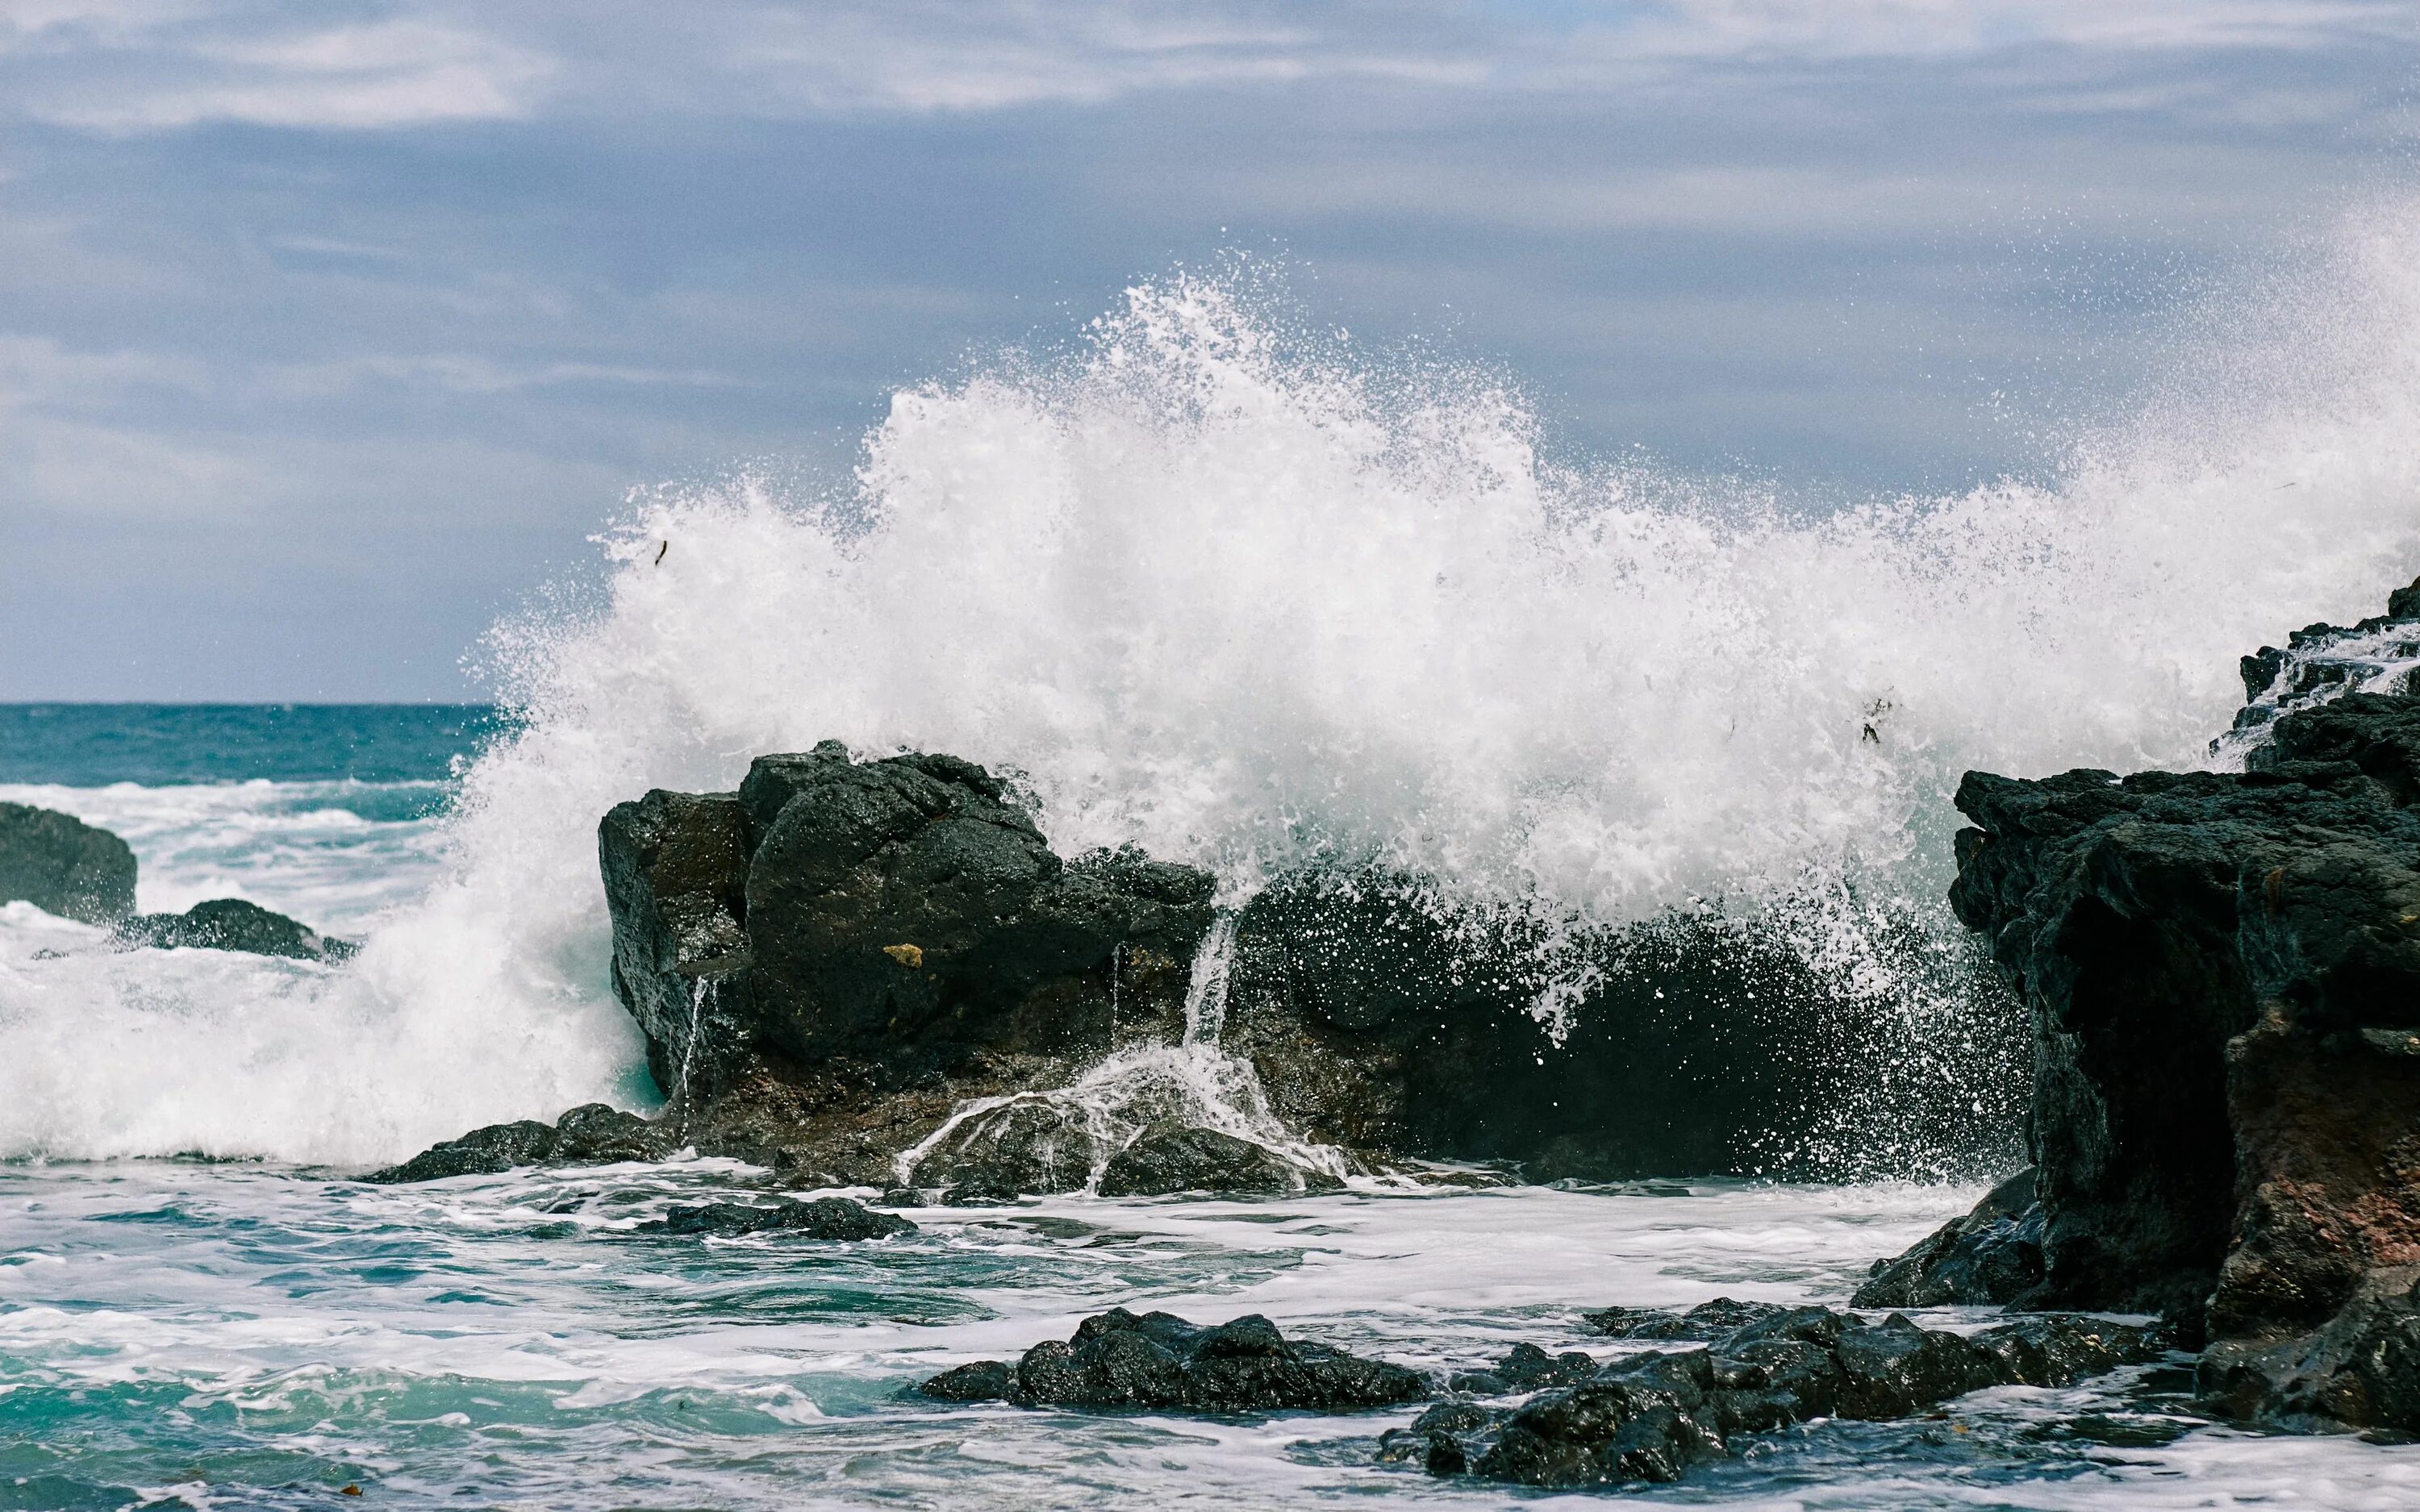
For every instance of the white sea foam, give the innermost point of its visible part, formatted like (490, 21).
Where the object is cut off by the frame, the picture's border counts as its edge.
(1235, 593)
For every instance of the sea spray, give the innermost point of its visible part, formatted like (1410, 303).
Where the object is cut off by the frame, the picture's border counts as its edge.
(1239, 595)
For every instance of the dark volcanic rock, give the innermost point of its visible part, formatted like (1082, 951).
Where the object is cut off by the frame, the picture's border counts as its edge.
(861, 947)
(836, 1218)
(1993, 1255)
(233, 924)
(1383, 1016)
(1161, 1362)
(1168, 1158)
(64, 866)
(590, 1134)
(1762, 1368)
(829, 960)
(2222, 972)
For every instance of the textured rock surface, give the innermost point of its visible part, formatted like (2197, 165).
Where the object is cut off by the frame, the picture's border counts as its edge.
(64, 866)
(233, 924)
(1993, 1255)
(590, 1134)
(1160, 1361)
(833, 1218)
(1384, 1018)
(2222, 972)
(1169, 1158)
(1762, 1367)
(828, 960)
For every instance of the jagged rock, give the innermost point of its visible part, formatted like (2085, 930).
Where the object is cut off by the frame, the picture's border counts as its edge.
(64, 866)
(1993, 1255)
(1762, 1368)
(834, 1218)
(233, 924)
(2222, 972)
(590, 1134)
(1169, 1158)
(860, 948)
(1160, 1361)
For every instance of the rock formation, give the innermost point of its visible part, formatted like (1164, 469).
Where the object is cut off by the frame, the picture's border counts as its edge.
(1159, 1362)
(2223, 976)
(589, 1134)
(831, 960)
(1761, 1367)
(233, 924)
(64, 866)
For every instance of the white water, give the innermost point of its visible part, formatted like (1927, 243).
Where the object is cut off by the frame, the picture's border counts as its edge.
(1241, 595)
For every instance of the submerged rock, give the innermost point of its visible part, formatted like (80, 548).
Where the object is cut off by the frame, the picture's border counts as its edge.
(1169, 1158)
(1762, 1367)
(1993, 1255)
(590, 1134)
(64, 866)
(834, 1218)
(1160, 1361)
(2223, 976)
(233, 924)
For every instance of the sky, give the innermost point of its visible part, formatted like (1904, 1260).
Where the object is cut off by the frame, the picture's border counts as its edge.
(331, 332)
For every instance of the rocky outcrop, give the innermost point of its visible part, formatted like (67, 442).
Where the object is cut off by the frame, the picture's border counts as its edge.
(1762, 1368)
(826, 1218)
(1993, 1255)
(1159, 1362)
(64, 866)
(590, 1134)
(2223, 974)
(829, 960)
(233, 924)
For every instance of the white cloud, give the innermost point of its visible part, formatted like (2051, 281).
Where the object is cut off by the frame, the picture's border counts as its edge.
(133, 69)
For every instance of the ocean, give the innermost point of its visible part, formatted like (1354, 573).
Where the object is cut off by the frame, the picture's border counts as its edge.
(1206, 585)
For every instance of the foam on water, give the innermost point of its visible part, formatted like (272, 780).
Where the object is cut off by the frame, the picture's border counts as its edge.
(240, 1337)
(1224, 587)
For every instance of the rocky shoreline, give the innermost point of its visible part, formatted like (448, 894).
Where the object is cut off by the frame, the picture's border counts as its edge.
(878, 974)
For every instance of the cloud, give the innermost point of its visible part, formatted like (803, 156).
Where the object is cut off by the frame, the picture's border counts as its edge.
(124, 68)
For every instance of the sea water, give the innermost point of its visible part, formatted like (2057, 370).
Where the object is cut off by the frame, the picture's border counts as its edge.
(1211, 581)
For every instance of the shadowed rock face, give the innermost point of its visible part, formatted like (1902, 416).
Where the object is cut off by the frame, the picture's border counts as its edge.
(1160, 1361)
(2224, 978)
(64, 866)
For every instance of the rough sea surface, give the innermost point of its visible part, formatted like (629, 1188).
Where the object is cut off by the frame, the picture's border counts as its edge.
(1211, 582)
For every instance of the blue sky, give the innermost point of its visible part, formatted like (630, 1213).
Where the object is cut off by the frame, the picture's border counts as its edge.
(330, 331)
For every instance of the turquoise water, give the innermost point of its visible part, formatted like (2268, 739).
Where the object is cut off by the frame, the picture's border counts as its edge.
(256, 1330)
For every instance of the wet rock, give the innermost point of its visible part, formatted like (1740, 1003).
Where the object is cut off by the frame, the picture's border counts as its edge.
(590, 1134)
(1991, 1255)
(1033, 1145)
(1384, 1014)
(233, 924)
(1762, 1367)
(1168, 1158)
(829, 961)
(64, 866)
(1160, 1361)
(1526, 1367)
(832, 1218)
(2221, 971)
